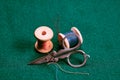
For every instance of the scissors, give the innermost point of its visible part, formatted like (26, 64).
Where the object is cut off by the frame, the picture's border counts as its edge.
(61, 54)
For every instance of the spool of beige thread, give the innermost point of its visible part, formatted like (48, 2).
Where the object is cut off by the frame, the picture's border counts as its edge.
(43, 35)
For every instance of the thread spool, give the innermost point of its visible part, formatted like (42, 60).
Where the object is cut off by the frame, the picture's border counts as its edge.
(43, 35)
(71, 39)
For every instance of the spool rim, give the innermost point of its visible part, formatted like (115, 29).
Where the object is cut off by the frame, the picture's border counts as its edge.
(43, 33)
(66, 42)
(75, 30)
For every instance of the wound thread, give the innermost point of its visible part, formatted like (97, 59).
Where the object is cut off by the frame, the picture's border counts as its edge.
(72, 38)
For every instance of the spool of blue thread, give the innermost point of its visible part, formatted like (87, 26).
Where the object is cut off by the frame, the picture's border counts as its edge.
(71, 39)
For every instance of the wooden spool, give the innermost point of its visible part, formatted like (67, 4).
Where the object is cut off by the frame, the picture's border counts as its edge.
(61, 36)
(43, 35)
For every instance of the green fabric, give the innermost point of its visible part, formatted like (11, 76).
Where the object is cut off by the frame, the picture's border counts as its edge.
(98, 21)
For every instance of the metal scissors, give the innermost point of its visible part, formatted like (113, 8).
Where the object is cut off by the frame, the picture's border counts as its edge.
(61, 54)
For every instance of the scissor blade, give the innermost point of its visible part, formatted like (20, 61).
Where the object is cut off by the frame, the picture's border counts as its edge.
(41, 60)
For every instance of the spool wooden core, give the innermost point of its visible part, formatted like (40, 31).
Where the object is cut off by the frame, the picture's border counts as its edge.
(43, 35)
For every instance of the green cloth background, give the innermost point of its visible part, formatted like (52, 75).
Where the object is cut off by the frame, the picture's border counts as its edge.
(98, 21)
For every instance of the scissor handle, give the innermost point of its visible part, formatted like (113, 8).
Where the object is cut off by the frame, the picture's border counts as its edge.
(81, 52)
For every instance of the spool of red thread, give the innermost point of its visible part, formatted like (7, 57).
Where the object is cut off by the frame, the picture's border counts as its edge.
(43, 35)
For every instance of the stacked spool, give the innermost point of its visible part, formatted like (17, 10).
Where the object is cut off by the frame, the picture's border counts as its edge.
(71, 39)
(43, 35)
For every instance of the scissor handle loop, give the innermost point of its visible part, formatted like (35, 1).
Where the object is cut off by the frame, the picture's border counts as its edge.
(81, 52)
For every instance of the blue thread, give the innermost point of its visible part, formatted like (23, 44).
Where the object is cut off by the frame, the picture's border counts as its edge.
(56, 77)
(72, 38)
